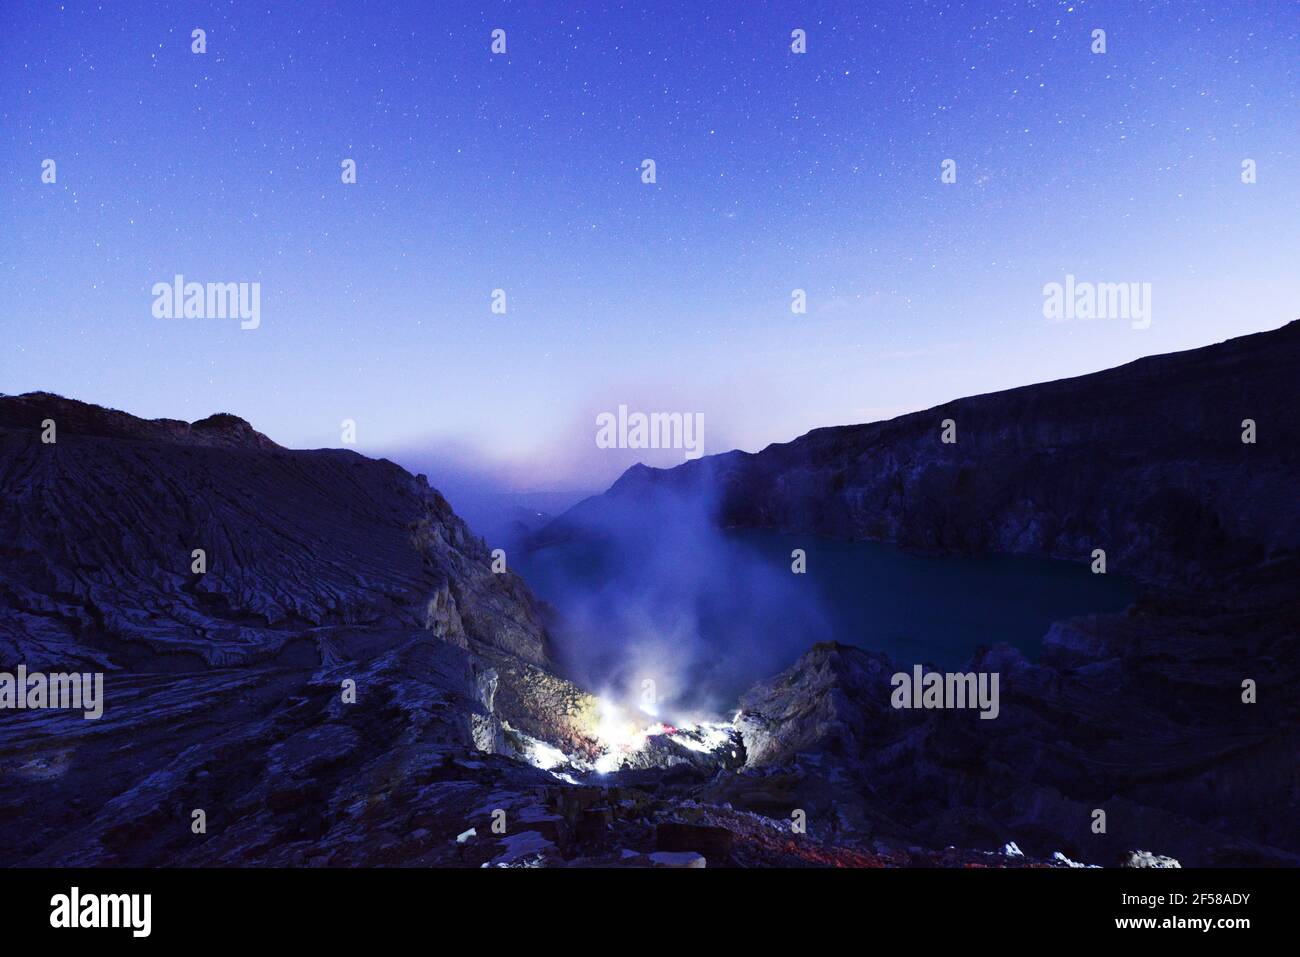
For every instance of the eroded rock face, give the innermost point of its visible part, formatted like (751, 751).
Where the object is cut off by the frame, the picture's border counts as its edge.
(321, 693)
(101, 527)
(833, 696)
(541, 704)
(443, 619)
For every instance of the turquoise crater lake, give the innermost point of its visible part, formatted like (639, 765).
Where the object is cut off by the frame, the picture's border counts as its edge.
(722, 611)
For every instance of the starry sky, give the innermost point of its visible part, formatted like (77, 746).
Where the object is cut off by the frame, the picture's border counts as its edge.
(775, 171)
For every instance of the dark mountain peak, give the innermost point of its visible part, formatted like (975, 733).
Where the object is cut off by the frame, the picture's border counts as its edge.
(295, 542)
(229, 426)
(74, 417)
(637, 474)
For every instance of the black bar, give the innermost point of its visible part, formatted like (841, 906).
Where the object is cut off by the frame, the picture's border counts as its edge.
(619, 907)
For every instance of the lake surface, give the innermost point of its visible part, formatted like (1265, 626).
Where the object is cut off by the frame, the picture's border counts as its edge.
(709, 615)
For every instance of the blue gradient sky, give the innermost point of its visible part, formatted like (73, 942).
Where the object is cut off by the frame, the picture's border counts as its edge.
(775, 172)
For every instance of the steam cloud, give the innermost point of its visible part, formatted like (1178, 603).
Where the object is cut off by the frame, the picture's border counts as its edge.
(647, 587)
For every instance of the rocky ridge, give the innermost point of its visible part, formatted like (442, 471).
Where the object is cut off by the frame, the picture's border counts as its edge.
(1145, 460)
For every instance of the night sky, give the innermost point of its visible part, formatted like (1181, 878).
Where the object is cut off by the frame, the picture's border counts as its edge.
(775, 171)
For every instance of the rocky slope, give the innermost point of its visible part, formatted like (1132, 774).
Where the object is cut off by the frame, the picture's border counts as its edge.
(225, 690)
(1140, 714)
(100, 527)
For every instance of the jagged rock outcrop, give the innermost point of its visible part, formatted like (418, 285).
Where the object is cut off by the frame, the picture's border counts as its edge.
(1144, 859)
(831, 697)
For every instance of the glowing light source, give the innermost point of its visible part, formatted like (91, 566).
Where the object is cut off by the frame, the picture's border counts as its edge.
(621, 737)
(545, 756)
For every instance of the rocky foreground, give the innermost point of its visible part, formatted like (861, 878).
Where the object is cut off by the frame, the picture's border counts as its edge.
(345, 680)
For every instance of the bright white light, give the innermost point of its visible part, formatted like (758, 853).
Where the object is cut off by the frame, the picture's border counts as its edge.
(620, 736)
(705, 737)
(609, 763)
(545, 756)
